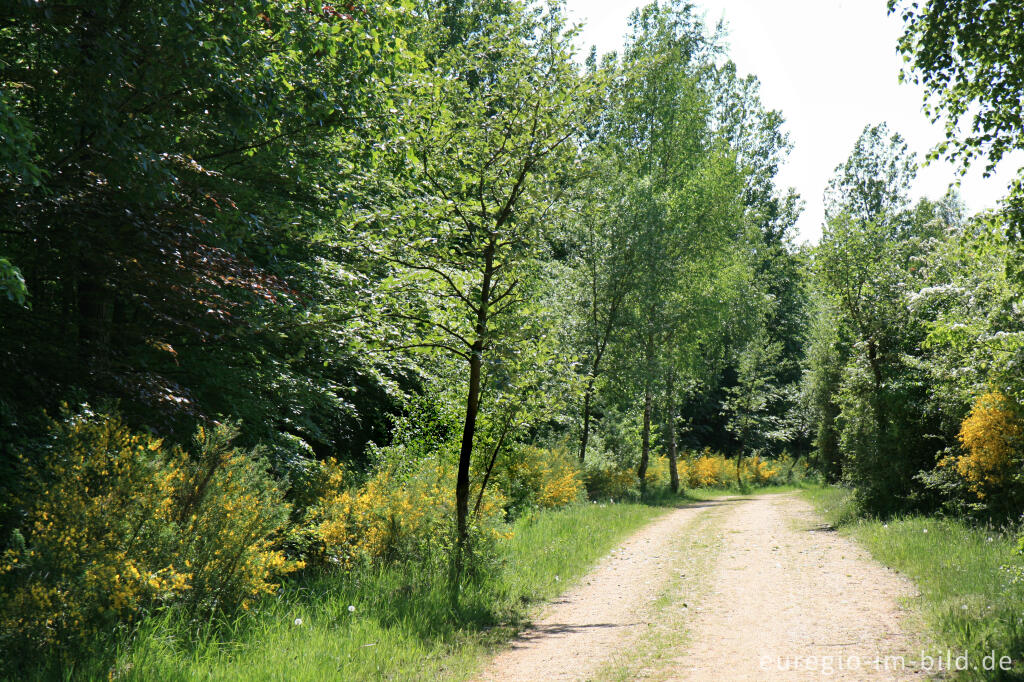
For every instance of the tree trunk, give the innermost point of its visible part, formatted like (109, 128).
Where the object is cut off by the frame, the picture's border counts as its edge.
(476, 359)
(465, 458)
(585, 436)
(592, 379)
(673, 469)
(646, 451)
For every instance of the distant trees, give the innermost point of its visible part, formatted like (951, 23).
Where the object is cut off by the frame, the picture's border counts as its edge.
(912, 323)
(914, 338)
(662, 233)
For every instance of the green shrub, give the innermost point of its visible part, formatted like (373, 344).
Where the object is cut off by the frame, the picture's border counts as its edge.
(605, 480)
(545, 478)
(115, 524)
(232, 518)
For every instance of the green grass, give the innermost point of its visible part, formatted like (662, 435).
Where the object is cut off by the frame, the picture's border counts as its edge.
(969, 598)
(402, 625)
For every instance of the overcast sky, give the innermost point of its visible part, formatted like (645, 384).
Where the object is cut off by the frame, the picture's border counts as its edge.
(830, 67)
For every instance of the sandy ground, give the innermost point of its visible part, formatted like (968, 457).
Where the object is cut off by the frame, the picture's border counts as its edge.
(607, 609)
(791, 600)
(785, 599)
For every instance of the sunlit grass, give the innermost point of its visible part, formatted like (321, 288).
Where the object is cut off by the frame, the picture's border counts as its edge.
(392, 623)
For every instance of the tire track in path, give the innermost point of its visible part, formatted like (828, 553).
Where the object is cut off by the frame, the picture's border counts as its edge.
(780, 598)
(790, 599)
(607, 609)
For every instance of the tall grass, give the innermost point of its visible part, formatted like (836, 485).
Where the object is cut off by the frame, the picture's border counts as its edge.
(393, 622)
(971, 594)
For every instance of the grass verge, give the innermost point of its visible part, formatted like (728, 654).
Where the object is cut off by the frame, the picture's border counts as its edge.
(972, 594)
(381, 623)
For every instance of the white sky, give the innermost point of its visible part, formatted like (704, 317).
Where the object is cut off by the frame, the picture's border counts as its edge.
(830, 67)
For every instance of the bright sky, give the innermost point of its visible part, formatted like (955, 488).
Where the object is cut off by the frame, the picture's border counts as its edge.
(831, 67)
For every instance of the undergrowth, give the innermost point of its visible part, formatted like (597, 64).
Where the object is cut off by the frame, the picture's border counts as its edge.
(371, 622)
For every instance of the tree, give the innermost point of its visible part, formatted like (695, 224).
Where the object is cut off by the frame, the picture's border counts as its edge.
(858, 257)
(600, 238)
(685, 201)
(752, 402)
(874, 181)
(867, 264)
(969, 57)
(486, 129)
(163, 173)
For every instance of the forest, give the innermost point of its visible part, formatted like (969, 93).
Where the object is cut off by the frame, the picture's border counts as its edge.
(322, 301)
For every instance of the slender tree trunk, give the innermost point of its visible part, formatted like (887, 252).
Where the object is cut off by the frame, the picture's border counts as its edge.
(673, 469)
(585, 436)
(469, 426)
(592, 379)
(494, 457)
(645, 453)
(466, 455)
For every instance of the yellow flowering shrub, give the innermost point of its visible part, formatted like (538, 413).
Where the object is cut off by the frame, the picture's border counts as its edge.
(991, 436)
(394, 516)
(710, 470)
(704, 470)
(541, 477)
(115, 524)
(759, 471)
(231, 518)
(93, 548)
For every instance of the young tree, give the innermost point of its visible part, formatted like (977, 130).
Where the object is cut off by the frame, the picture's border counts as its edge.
(488, 128)
(752, 404)
(603, 248)
(866, 265)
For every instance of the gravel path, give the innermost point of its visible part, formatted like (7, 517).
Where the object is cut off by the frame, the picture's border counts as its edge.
(791, 600)
(604, 611)
(784, 599)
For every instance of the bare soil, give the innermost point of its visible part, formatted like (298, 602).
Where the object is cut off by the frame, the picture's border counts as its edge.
(785, 598)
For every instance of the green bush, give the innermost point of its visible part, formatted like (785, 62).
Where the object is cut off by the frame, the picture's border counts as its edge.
(538, 477)
(115, 524)
(605, 480)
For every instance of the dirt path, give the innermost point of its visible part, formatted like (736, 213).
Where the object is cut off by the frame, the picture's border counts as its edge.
(783, 599)
(605, 611)
(791, 600)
